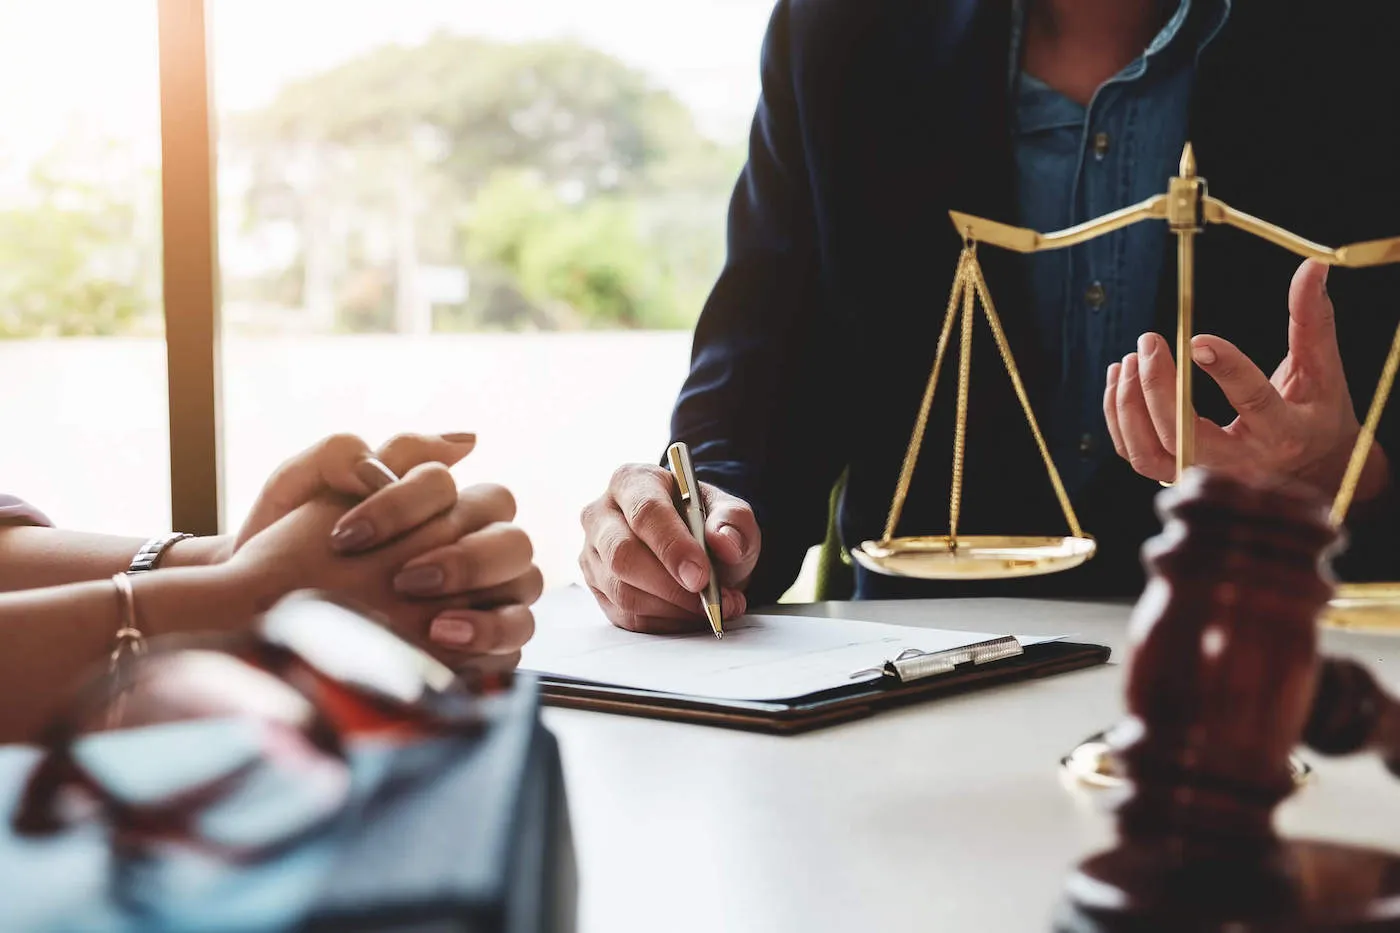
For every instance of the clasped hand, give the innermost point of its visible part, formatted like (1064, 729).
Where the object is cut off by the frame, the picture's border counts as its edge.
(445, 569)
(1298, 425)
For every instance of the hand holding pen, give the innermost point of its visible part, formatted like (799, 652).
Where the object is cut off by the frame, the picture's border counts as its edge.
(692, 506)
(644, 564)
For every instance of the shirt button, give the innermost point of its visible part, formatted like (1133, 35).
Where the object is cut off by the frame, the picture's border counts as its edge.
(1087, 445)
(1095, 295)
(1100, 145)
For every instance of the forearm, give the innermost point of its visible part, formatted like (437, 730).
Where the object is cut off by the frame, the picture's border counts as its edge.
(56, 635)
(35, 557)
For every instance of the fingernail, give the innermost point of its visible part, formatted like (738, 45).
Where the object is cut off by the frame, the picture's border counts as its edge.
(1322, 282)
(1146, 345)
(1113, 373)
(460, 437)
(1129, 366)
(374, 474)
(731, 534)
(355, 534)
(692, 576)
(420, 581)
(453, 630)
(1203, 355)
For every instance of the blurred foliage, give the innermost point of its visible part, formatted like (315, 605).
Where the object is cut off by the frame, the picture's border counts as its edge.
(575, 192)
(572, 191)
(573, 113)
(77, 257)
(586, 264)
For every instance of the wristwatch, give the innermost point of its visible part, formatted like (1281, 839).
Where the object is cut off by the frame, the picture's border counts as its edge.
(148, 558)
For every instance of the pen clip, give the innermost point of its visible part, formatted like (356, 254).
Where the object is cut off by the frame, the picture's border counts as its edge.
(679, 457)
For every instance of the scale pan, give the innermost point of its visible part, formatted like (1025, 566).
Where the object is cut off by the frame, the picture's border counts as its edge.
(1370, 606)
(976, 557)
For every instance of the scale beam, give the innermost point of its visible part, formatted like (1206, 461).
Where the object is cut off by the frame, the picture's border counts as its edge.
(1354, 255)
(1212, 211)
(1023, 240)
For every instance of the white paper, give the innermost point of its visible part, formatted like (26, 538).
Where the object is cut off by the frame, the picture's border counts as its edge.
(761, 657)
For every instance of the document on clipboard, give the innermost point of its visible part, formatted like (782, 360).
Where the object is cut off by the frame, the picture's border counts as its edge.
(778, 671)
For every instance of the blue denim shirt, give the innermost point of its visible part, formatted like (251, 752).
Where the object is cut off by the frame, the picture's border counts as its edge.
(1074, 163)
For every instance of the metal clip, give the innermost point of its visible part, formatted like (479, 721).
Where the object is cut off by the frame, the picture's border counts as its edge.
(913, 664)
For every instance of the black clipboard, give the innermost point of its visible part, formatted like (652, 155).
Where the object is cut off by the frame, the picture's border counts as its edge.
(918, 683)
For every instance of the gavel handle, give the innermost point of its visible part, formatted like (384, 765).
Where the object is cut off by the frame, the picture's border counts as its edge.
(1352, 713)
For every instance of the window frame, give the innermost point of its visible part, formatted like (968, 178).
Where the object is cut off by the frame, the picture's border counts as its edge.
(189, 238)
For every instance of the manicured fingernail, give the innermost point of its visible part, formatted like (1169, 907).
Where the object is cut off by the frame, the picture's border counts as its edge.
(420, 581)
(1203, 355)
(452, 630)
(1129, 366)
(348, 537)
(1146, 345)
(374, 474)
(692, 576)
(731, 534)
(460, 437)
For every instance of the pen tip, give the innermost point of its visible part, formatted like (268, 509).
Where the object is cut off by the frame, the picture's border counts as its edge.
(716, 621)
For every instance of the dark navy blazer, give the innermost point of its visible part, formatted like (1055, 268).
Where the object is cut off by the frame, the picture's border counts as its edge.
(877, 117)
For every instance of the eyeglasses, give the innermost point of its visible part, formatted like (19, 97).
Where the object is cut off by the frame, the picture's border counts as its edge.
(237, 744)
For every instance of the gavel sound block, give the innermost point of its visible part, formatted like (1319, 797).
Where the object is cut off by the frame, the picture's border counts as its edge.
(1223, 682)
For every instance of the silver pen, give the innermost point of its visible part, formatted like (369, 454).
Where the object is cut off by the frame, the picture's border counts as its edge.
(693, 507)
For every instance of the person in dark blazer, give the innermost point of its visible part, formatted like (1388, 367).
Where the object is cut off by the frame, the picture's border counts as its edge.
(879, 116)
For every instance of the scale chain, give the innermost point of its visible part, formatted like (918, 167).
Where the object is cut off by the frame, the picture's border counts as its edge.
(911, 455)
(970, 286)
(994, 320)
(964, 382)
(1367, 437)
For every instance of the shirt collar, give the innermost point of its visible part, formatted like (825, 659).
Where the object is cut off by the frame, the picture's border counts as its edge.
(1187, 30)
(1207, 26)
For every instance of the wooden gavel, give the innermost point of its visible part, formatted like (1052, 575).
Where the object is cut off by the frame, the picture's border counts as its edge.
(1224, 681)
(1351, 713)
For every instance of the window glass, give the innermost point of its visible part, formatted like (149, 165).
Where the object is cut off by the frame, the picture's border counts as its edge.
(442, 215)
(83, 422)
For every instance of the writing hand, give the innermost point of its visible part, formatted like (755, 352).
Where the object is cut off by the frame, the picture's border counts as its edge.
(644, 566)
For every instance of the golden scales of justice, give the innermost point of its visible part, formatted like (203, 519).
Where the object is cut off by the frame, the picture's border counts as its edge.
(1187, 208)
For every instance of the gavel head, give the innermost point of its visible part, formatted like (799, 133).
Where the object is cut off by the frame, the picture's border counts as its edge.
(1221, 668)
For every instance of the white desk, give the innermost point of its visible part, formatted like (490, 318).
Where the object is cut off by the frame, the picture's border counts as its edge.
(947, 816)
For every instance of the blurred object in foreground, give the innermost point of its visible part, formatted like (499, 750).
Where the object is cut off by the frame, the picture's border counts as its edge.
(319, 774)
